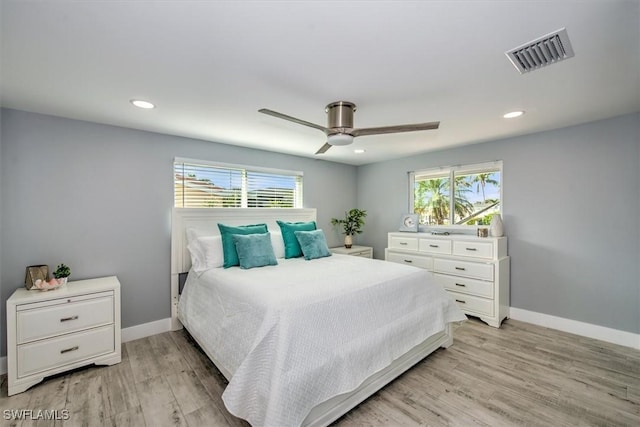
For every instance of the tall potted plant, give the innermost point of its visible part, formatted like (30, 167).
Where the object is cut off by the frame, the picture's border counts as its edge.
(351, 224)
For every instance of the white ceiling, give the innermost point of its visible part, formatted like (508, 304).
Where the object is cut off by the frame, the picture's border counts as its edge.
(209, 66)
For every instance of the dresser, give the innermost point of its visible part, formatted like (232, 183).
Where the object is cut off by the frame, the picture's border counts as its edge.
(355, 250)
(58, 330)
(474, 270)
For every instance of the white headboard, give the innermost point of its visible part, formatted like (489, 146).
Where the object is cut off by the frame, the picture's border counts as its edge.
(206, 221)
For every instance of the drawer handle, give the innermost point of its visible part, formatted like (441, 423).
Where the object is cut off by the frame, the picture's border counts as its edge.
(434, 246)
(403, 243)
(67, 350)
(66, 319)
(460, 268)
(408, 260)
(472, 249)
(460, 301)
(461, 285)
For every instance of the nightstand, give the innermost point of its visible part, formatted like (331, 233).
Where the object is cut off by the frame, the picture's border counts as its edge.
(58, 330)
(355, 250)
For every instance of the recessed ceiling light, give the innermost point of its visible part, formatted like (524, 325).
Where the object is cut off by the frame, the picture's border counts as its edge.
(359, 151)
(513, 114)
(142, 104)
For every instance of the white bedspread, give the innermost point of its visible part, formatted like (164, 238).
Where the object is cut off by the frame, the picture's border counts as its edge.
(297, 334)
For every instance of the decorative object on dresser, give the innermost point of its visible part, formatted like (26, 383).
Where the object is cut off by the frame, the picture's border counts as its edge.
(35, 273)
(496, 228)
(355, 250)
(409, 222)
(53, 332)
(474, 270)
(62, 272)
(351, 224)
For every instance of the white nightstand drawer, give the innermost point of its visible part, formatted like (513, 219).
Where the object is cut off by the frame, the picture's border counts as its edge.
(60, 318)
(42, 355)
(466, 285)
(473, 249)
(407, 243)
(473, 305)
(462, 268)
(415, 260)
(364, 253)
(435, 246)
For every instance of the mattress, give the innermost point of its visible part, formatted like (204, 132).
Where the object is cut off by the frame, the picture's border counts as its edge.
(291, 336)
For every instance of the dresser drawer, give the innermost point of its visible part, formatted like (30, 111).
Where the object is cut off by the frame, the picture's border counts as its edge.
(415, 260)
(435, 246)
(61, 318)
(55, 352)
(466, 285)
(473, 305)
(473, 249)
(406, 243)
(464, 268)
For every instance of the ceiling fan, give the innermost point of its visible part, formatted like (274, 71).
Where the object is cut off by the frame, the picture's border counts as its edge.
(340, 129)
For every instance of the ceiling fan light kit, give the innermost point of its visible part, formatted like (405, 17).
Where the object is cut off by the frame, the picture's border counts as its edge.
(340, 130)
(339, 139)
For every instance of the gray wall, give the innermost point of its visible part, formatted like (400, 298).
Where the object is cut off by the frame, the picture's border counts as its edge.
(99, 199)
(2, 316)
(571, 210)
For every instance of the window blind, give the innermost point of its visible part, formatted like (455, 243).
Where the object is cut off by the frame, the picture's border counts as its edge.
(200, 184)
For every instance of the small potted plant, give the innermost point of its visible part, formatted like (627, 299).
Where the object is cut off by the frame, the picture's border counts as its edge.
(61, 273)
(351, 224)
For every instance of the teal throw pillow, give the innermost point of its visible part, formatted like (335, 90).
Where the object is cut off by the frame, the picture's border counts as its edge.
(291, 246)
(254, 250)
(313, 244)
(229, 246)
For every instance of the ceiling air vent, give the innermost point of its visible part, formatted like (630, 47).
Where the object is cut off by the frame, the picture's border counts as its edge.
(546, 50)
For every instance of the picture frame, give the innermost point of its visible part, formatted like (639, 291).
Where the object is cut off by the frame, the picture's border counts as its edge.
(35, 272)
(409, 223)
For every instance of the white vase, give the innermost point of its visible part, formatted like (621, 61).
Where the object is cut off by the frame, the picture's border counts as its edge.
(348, 241)
(496, 228)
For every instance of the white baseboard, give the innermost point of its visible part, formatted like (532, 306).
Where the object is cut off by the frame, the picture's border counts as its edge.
(615, 336)
(146, 329)
(128, 334)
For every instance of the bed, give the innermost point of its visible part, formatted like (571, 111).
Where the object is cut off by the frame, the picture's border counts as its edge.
(304, 341)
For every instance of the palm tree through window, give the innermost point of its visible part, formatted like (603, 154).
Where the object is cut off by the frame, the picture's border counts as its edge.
(461, 195)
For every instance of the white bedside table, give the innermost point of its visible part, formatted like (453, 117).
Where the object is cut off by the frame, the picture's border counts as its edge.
(58, 330)
(355, 250)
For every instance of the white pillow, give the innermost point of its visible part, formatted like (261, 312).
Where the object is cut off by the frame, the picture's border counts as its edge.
(206, 253)
(277, 242)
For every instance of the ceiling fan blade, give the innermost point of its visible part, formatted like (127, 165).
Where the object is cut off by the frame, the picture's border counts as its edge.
(395, 129)
(293, 119)
(324, 148)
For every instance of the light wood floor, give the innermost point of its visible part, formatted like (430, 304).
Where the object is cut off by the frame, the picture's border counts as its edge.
(517, 375)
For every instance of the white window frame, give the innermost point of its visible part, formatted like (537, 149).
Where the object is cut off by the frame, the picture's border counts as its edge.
(245, 169)
(452, 171)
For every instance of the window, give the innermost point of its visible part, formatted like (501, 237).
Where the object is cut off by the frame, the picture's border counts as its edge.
(200, 184)
(457, 195)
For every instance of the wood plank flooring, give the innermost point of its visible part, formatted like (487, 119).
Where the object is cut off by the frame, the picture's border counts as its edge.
(518, 375)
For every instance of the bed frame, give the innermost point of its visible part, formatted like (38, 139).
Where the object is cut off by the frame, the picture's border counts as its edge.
(206, 220)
